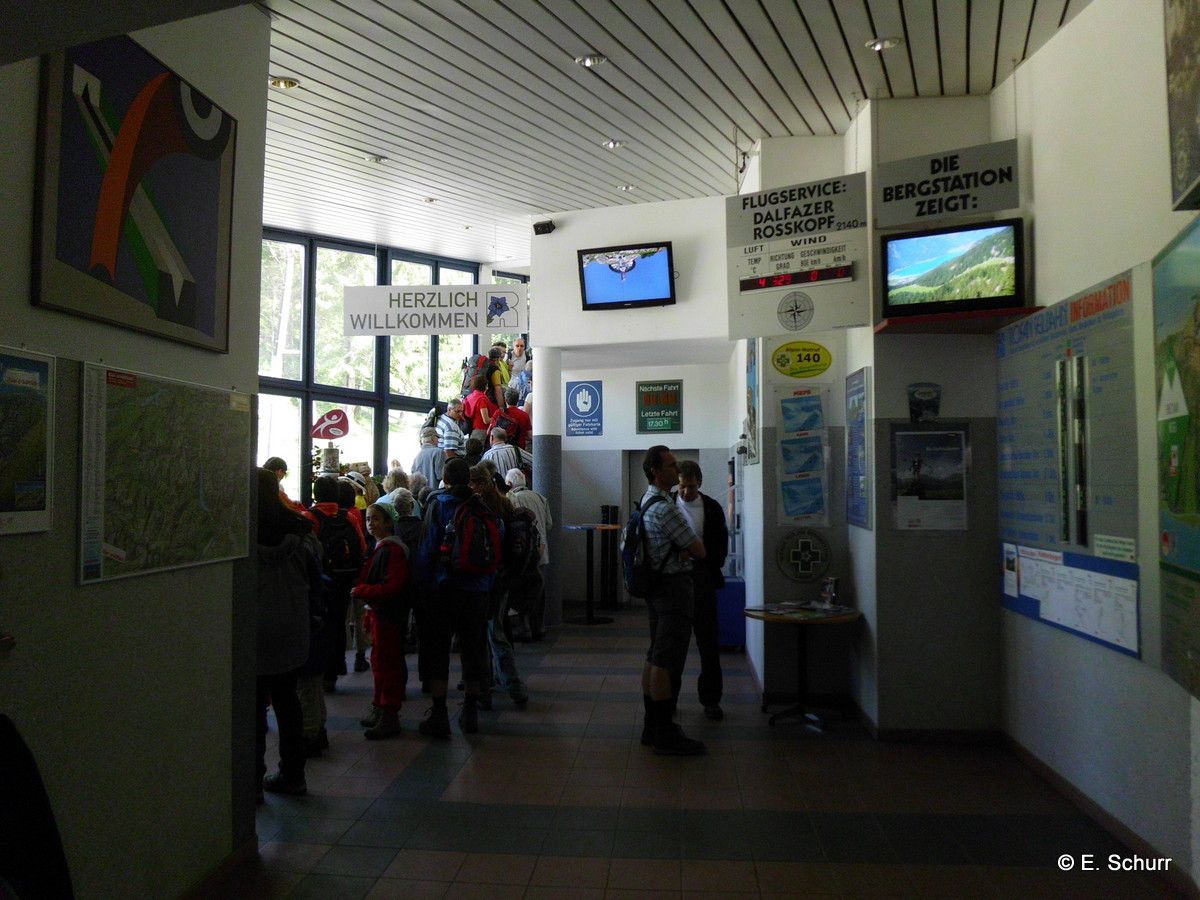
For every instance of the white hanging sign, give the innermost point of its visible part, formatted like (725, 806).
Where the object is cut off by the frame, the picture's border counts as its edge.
(435, 309)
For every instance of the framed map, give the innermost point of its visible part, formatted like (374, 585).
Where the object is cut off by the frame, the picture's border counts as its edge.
(165, 479)
(26, 440)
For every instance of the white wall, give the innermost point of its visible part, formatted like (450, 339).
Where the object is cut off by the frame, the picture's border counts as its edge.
(695, 228)
(1090, 113)
(124, 690)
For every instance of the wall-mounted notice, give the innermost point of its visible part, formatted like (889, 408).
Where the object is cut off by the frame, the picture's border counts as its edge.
(1177, 374)
(434, 309)
(585, 408)
(659, 407)
(196, 509)
(26, 440)
(802, 454)
(858, 472)
(801, 359)
(798, 258)
(964, 182)
(929, 477)
(1088, 595)
(1068, 482)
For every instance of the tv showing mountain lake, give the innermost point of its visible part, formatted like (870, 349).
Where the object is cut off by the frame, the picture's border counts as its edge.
(957, 269)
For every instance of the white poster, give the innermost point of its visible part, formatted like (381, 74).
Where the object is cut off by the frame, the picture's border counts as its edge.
(802, 454)
(435, 309)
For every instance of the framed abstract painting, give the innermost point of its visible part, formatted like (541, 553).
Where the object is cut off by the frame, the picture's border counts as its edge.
(135, 195)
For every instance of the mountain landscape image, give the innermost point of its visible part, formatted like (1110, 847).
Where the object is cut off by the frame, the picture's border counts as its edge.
(945, 267)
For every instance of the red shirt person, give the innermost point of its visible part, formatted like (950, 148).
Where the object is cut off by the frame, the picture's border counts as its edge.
(478, 407)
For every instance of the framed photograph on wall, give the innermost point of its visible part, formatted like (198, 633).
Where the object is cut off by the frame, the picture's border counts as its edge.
(26, 440)
(1182, 21)
(135, 195)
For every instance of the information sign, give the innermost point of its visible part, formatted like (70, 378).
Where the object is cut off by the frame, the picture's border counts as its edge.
(797, 258)
(659, 407)
(585, 408)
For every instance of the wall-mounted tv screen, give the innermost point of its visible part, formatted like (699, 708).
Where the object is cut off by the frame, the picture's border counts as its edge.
(962, 268)
(627, 276)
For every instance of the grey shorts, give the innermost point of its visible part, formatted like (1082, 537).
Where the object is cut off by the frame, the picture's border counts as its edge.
(670, 606)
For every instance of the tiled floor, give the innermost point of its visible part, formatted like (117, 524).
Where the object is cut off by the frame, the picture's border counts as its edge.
(560, 800)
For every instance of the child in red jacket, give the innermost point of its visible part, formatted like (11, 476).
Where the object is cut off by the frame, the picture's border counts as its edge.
(381, 586)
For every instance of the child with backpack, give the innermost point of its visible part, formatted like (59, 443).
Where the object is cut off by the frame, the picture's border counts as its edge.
(384, 587)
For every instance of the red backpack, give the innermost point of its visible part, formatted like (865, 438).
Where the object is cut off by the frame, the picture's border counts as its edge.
(471, 541)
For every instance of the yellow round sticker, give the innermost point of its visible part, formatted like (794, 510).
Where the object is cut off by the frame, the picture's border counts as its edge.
(801, 359)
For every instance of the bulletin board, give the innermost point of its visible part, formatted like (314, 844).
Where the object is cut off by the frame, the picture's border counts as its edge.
(1068, 474)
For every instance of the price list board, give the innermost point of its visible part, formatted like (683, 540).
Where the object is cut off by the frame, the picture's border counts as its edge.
(797, 258)
(1068, 473)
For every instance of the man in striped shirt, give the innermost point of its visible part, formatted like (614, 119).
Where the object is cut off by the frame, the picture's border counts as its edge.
(671, 545)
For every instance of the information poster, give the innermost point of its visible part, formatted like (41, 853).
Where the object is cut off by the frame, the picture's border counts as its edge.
(802, 454)
(1068, 480)
(166, 466)
(26, 440)
(929, 478)
(659, 407)
(1084, 594)
(1177, 376)
(858, 470)
(797, 258)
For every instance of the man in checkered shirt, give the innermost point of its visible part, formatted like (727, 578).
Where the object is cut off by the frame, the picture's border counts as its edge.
(671, 546)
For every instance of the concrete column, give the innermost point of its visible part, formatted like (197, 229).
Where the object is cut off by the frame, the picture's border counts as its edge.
(547, 462)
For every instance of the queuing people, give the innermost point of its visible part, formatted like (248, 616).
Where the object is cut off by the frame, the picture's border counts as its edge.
(533, 619)
(279, 468)
(518, 360)
(381, 588)
(449, 430)
(429, 459)
(289, 595)
(671, 545)
(478, 407)
(707, 519)
(455, 604)
(501, 453)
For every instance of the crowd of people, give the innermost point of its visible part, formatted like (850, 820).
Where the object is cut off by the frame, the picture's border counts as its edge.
(450, 553)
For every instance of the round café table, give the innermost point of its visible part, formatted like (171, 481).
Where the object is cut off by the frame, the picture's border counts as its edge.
(802, 618)
(591, 618)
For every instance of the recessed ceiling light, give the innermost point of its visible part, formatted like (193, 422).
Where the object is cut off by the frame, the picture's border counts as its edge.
(430, 199)
(285, 82)
(880, 44)
(626, 187)
(612, 144)
(375, 159)
(591, 60)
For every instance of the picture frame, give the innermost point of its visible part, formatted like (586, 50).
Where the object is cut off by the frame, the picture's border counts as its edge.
(135, 195)
(27, 384)
(1181, 21)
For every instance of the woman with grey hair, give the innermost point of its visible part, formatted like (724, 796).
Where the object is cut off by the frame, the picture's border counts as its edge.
(395, 478)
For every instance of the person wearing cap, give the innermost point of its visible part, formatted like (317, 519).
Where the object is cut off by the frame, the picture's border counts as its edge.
(381, 589)
(279, 469)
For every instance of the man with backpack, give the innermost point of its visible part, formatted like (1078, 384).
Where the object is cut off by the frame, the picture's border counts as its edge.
(456, 563)
(529, 599)
(343, 549)
(670, 545)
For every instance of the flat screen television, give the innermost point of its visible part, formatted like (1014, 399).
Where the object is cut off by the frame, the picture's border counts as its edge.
(627, 276)
(962, 268)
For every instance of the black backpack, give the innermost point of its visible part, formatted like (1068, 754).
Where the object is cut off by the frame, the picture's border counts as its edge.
(341, 550)
(635, 560)
(435, 412)
(521, 543)
(511, 426)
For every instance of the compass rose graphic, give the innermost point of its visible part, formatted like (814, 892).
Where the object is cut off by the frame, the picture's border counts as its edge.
(795, 311)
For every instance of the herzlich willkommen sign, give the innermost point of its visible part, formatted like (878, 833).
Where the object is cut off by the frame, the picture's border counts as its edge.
(435, 309)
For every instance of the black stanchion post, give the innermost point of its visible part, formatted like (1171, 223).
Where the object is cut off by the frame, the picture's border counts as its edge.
(608, 592)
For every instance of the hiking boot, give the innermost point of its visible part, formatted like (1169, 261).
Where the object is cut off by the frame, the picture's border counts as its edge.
(468, 719)
(669, 740)
(387, 725)
(283, 784)
(360, 663)
(713, 711)
(436, 724)
(371, 719)
(647, 735)
(519, 696)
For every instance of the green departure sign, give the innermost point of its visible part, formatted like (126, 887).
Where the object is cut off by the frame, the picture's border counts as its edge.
(659, 407)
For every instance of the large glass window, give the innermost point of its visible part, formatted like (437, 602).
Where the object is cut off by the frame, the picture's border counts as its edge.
(358, 446)
(339, 360)
(404, 436)
(281, 310)
(279, 434)
(409, 367)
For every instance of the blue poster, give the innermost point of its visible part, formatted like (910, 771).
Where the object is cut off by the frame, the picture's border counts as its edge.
(585, 408)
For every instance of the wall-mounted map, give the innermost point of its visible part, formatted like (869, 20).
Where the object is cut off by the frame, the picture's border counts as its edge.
(165, 474)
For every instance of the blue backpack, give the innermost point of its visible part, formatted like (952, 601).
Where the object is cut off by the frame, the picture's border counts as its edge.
(635, 560)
